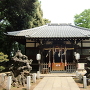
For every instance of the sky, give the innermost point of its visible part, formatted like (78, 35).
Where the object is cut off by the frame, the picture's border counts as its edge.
(63, 11)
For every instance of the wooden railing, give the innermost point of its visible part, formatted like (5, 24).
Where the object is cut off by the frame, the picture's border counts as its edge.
(47, 68)
(70, 67)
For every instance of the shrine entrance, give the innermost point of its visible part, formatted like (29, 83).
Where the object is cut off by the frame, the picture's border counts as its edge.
(59, 59)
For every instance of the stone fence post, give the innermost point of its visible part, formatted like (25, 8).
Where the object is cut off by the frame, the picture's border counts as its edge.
(9, 81)
(38, 74)
(28, 82)
(34, 77)
(84, 82)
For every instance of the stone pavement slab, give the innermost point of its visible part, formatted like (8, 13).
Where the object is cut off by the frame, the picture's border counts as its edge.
(57, 83)
(59, 74)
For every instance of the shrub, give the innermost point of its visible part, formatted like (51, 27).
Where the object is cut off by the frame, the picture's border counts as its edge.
(3, 58)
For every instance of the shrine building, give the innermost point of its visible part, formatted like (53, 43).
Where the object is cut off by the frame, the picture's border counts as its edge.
(57, 44)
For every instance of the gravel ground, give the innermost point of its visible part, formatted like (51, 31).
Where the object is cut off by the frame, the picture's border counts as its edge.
(80, 85)
(3, 85)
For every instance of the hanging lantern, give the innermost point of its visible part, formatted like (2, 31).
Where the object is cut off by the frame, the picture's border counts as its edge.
(38, 56)
(77, 56)
(74, 53)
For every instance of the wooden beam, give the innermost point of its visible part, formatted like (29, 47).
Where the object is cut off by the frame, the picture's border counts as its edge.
(58, 48)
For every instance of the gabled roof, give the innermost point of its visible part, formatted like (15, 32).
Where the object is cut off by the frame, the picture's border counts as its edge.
(53, 31)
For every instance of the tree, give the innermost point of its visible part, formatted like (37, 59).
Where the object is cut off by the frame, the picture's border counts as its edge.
(46, 21)
(83, 19)
(18, 15)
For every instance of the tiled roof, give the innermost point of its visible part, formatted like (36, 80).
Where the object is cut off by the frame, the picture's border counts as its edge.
(53, 31)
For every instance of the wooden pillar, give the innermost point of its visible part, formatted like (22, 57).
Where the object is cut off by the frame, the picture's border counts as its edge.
(65, 56)
(53, 55)
(81, 46)
(49, 56)
(61, 55)
(49, 61)
(74, 46)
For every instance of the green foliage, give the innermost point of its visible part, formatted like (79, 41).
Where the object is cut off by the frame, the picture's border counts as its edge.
(38, 16)
(2, 68)
(83, 19)
(3, 58)
(46, 21)
(18, 15)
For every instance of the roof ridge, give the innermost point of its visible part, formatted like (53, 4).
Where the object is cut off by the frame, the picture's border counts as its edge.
(80, 27)
(58, 24)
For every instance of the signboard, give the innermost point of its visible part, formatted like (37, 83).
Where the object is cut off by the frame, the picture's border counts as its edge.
(81, 66)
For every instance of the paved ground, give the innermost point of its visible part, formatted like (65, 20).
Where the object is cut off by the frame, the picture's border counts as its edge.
(59, 75)
(57, 83)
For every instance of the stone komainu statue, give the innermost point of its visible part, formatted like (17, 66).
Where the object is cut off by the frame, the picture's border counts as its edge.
(20, 55)
(20, 68)
(20, 58)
